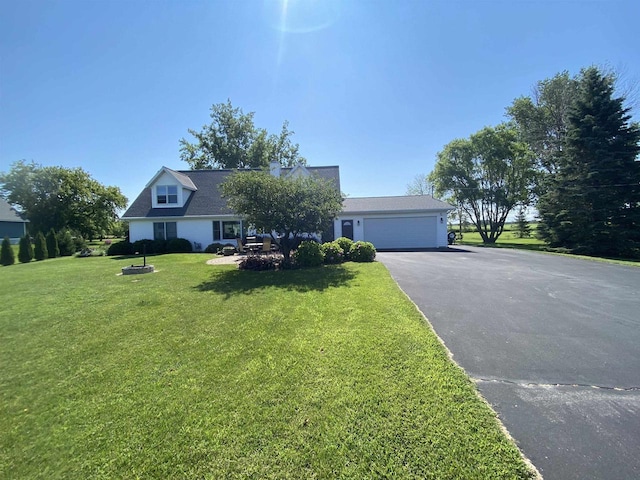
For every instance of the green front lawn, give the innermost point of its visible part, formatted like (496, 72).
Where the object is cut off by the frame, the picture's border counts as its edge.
(207, 372)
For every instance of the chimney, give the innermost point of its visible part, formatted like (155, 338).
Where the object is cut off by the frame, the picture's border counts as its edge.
(274, 167)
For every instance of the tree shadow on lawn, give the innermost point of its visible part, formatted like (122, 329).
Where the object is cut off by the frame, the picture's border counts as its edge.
(230, 282)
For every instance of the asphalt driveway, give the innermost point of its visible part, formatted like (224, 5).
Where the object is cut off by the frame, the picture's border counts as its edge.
(552, 342)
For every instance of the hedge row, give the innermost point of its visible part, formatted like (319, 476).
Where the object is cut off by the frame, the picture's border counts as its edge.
(175, 245)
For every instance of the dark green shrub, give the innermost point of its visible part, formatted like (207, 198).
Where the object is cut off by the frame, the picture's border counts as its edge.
(179, 245)
(140, 245)
(65, 243)
(7, 257)
(297, 241)
(79, 243)
(308, 254)
(214, 248)
(25, 252)
(120, 248)
(260, 262)
(159, 246)
(40, 248)
(333, 253)
(228, 250)
(345, 243)
(52, 244)
(362, 252)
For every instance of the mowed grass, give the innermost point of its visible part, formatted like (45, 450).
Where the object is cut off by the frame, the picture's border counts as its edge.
(201, 371)
(509, 238)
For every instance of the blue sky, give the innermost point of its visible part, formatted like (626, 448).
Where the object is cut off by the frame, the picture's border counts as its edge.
(376, 87)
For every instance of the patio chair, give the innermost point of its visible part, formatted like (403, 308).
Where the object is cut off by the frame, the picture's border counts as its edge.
(240, 247)
(266, 245)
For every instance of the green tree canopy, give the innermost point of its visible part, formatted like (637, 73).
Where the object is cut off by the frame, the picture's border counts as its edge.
(58, 197)
(232, 140)
(542, 119)
(288, 207)
(592, 204)
(487, 175)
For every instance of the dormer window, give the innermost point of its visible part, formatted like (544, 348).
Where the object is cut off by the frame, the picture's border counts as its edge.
(167, 194)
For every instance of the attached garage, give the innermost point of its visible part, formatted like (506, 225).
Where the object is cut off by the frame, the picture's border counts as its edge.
(395, 223)
(400, 232)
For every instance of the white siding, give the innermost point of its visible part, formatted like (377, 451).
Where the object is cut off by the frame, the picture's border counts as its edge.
(196, 230)
(166, 179)
(390, 231)
(140, 230)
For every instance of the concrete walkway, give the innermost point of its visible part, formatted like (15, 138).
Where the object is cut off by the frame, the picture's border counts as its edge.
(553, 344)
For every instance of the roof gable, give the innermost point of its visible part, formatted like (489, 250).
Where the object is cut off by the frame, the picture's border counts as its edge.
(181, 178)
(297, 172)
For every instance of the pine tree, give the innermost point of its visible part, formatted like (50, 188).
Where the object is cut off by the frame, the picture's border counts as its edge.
(7, 256)
(52, 244)
(523, 229)
(593, 205)
(40, 250)
(25, 251)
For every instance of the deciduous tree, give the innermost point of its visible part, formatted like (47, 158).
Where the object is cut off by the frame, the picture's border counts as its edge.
(542, 119)
(420, 185)
(58, 197)
(232, 140)
(288, 207)
(488, 175)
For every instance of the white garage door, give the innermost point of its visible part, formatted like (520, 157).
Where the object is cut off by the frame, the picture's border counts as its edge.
(401, 232)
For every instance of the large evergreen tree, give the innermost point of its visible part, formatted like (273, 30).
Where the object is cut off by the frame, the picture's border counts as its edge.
(592, 205)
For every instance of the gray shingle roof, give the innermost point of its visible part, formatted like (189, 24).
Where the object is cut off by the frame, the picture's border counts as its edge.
(8, 213)
(206, 200)
(409, 203)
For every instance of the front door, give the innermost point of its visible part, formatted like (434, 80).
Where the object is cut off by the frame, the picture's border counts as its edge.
(347, 228)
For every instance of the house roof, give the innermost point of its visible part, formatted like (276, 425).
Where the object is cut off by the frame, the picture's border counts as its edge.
(181, 178)
(9, 214)
(206, 198)
(408, 203)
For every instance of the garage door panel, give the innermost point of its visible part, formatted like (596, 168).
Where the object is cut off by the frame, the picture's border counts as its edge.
(401, 232)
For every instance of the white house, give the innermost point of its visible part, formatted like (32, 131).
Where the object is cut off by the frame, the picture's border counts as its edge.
(188, 204)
